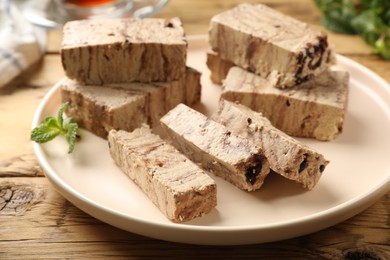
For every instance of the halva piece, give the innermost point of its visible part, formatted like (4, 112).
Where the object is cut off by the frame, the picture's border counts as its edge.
(216, 148)
(314, 109)
(99, 52)
(177, 186)
(126, 106)
(280, 48)
(286, 155)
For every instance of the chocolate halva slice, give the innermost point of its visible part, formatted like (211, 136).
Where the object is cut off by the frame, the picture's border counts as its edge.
(216, 148)
(177, 186)
(286, 155)
(314, 109)
(101, 52)
(126, 106)
(277, 47)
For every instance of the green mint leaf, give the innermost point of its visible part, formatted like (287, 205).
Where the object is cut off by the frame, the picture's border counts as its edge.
(44, 132)
(71, 136)
(52, 123)
(67, 121)
(53, 127)
(61, 113)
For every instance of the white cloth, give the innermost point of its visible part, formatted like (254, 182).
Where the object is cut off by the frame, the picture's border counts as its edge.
(19, 45)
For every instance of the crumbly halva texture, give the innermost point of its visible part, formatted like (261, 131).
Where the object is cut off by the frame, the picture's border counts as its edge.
(177, 186)
(280, 48)
(124, 50)
(314, 109)
(216, 148)
(286, 155)
(126, 106)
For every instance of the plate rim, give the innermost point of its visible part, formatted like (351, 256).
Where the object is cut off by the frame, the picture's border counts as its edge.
(342, 211)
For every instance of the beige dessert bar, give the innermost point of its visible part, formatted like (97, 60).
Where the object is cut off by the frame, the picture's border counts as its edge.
(98, 52)
(286, 155)
(216, 148)
(314, 109)
(126, 106)
(277, 47)
(178, 187)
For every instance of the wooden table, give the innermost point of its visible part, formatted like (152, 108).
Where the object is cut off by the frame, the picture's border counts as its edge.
(36, 222)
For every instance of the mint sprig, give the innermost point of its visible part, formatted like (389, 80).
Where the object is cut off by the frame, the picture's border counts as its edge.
(53, 127)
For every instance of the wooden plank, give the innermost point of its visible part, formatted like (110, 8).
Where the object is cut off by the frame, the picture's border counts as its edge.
(23, 165)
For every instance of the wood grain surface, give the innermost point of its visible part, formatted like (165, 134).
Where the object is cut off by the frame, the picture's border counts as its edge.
(36, 222)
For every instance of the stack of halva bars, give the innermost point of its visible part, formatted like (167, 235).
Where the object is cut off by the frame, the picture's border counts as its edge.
(122, 73)
(281, 67)
(122, 76)
(125, 78)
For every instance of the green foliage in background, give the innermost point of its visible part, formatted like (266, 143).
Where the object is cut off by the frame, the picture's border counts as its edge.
(368, 18)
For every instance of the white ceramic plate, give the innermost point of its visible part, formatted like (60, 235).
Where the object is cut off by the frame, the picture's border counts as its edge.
(358, 175)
